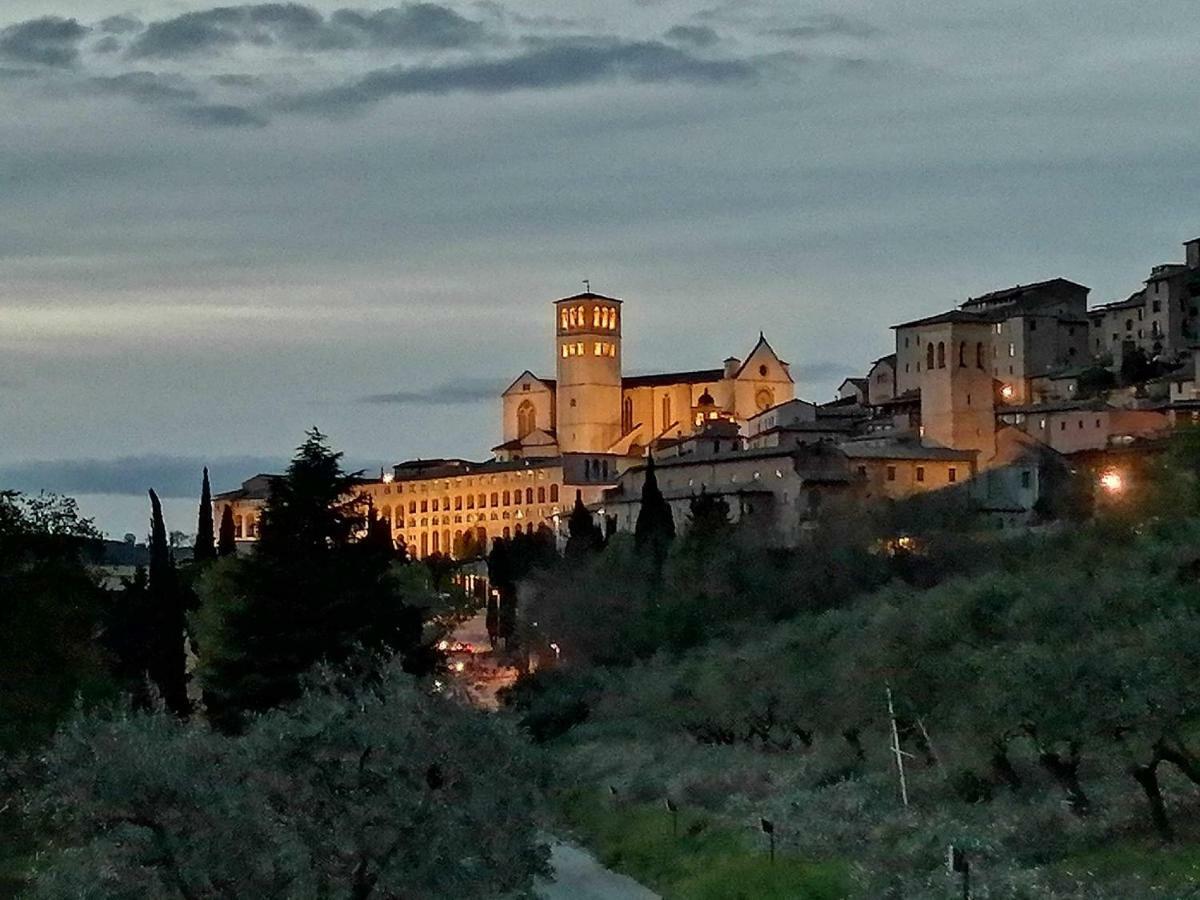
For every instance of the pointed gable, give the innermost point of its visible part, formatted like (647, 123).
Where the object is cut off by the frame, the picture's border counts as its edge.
(527, 381)
(763, 363)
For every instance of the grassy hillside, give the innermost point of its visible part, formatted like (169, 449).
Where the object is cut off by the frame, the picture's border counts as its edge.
(1045, 703)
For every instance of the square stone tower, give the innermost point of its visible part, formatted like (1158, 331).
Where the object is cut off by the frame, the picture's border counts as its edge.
(958, 400)
(588, 354)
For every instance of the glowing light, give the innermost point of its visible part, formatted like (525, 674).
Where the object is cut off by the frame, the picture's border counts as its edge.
(388, 477)
(443, 645)
(459, 666)
(1112, 482)
(1007, 392)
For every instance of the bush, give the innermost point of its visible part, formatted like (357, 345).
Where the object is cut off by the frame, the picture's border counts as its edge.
(356, 790)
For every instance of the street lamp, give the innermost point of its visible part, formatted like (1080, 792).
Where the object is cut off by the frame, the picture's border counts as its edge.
(1112, 482)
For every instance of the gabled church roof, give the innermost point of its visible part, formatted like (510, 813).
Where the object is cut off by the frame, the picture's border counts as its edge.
(764, 344)
(548, 382)
(589, 295)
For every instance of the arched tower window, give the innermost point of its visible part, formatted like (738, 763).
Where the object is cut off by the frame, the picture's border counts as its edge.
(666, 411)
(941, 355)
(962, 354)
(929, 356)
(526, 418)
(627, 415)
(979, 356)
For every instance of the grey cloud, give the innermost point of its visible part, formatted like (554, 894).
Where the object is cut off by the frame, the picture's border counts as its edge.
(239, 80)
(49, 41)
(145, 87)
(828, 24)
(170, 476)
(412, 25)
(222, 115)
(467, 390)
(695, 35)
(545, 65)
(119, 25)
(108, 44)
(300, 27)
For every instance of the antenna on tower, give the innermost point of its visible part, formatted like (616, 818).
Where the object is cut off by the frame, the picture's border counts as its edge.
(587, 285)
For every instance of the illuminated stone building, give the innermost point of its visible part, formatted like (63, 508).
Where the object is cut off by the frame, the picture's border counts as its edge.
(574, 433)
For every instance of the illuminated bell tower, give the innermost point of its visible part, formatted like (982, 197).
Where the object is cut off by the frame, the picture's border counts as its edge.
(588, 350)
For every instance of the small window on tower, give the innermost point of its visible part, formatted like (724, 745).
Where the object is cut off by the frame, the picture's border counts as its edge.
(579, 348)
(565, 351)
(920, 473)
(952, 474)
(891, 473)
(597, 349)
(596, 317)
(572, 318)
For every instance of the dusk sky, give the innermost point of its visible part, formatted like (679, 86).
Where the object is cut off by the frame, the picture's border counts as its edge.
(223, 225)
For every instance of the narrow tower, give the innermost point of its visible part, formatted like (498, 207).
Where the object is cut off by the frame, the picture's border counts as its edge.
(588, 350)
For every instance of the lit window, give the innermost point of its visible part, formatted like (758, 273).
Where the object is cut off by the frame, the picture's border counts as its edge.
(1012, 349)
(597, 349)
(579, 348)
(563, 319)
(565, 349)
(596, 317)
(572, 318)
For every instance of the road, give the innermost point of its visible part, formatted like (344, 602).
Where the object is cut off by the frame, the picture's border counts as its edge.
(578, 876)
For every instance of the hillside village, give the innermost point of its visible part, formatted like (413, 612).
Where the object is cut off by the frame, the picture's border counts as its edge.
(999, 398)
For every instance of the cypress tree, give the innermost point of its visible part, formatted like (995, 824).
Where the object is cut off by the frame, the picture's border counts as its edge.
(227, 542)
(585, 536)
(205, 549)
(166, 660)
(655, 527)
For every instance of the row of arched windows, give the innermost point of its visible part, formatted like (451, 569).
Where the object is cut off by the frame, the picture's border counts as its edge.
(483, 501)
(604, 317)
(936, 354)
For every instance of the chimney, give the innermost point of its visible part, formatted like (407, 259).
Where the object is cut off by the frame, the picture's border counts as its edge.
(1193, 253)
(733, 363)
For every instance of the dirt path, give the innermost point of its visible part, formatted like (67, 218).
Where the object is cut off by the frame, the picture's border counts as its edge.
(578, 876)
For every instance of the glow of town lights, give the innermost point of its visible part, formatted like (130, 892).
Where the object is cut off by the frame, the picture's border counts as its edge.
(1112, 482)
(1007, 392)
(459, 666)
(443, 645)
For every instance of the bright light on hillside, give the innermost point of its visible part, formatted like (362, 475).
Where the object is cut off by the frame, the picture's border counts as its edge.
(1112, 482)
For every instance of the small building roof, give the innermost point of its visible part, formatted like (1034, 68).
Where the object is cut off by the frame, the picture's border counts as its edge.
(953, 317)
(1093, 405)
(889, 359)
(588, 295)
(877, 448)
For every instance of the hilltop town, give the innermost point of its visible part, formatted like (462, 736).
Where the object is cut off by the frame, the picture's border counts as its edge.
(1000, 398)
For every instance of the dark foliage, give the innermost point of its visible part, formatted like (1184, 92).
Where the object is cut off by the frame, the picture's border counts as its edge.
(312, 591)
(205, 548)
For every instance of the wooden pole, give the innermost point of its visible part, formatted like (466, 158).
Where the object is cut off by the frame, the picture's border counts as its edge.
(896, 745)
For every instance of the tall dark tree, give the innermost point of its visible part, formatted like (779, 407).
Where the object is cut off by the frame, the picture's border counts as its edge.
(585, 537)
(318, 587)
(50, 612)
(205, 549)
(166, 661)
(227, 542)
(655, 528)
(511, 561)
